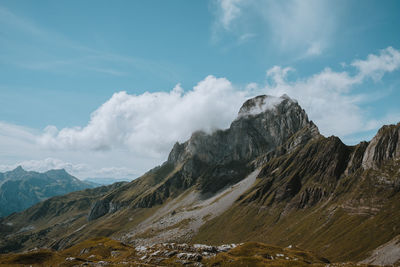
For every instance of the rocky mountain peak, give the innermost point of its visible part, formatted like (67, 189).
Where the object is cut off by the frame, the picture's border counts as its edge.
(263, 123)
(261, 103)
(19, 169)
(18, 172)
(385, 145)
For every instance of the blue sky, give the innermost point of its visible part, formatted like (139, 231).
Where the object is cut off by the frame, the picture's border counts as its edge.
(65, 65)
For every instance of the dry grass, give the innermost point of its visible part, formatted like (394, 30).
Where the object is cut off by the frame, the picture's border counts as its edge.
(97, 250)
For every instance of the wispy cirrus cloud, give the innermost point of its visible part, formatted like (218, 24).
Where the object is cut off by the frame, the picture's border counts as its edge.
(8, 18)
(307, 26)
(45, 50)
(230, 10)
(302, 27)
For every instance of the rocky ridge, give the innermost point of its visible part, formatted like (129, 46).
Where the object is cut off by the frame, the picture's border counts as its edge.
(352, 187)
(260, 127)
(270, 177)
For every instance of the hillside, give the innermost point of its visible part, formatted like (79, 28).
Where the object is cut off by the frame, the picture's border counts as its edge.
(20, 189)
(103, 251)
(271, 177)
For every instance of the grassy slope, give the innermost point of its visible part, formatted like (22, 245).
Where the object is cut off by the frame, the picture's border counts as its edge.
(118, 254)
(38, 225)
(62, 221)
(342, 227)
(343, 218)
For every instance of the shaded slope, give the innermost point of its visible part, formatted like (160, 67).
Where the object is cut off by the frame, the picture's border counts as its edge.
(211, 162)
(320, 197)
(205, 163)
(47, 223)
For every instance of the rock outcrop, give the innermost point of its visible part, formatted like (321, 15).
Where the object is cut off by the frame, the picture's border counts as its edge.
(263, 123)
(102, 207)
(385, 145)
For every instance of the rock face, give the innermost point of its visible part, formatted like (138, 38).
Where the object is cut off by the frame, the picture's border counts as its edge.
(385, 145)
(263, 124)
(387, 254)
(102, 207)
(321, 195)
(305, 176)
(99, 208)
(214, 161)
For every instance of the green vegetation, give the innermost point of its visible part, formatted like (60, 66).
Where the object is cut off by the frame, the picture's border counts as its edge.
(113, 253)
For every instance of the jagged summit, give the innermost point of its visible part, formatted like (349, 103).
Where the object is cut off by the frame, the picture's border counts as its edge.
(18, 169)
(262, 103)
(385, 145)
(273, 121)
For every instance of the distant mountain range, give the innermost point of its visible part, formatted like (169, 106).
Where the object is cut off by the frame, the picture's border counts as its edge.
(271, 177)
(106, 180)
(20, 189)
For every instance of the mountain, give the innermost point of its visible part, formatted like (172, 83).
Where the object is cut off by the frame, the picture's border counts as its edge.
(106, 180)
(20, 189)
(270, 177)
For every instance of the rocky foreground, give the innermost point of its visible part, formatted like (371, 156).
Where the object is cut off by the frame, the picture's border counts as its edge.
(107, 252)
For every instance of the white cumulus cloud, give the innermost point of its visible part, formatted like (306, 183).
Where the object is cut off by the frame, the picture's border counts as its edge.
(151, 122)
(130, 134)
(375, 66)
(327, 96)
(81, 170)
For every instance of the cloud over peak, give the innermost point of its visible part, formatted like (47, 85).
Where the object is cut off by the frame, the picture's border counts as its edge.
(141, 129)
(149, 123)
